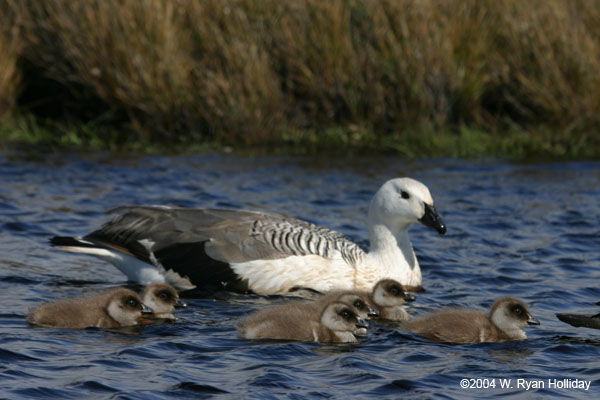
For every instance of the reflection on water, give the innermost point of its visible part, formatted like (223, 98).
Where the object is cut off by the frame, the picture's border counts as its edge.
(526, 230)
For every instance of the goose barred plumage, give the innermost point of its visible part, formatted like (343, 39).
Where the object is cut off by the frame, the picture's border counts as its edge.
(301, 238)
(262, 252)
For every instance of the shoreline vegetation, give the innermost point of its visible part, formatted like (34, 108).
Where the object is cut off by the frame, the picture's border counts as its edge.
(416, 78)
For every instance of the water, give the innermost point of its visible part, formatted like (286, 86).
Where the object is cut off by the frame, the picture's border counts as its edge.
(527, 230)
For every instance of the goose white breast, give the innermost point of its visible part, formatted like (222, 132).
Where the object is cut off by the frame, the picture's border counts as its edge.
(265, 253)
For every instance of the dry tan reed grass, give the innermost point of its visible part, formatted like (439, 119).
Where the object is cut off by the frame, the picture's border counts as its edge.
(11, 46)
(243, 71)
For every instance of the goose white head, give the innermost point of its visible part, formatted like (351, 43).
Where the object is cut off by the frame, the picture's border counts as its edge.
(125, 307)
(400, 202)
(397, 204)
(339, 317)
(510, 315)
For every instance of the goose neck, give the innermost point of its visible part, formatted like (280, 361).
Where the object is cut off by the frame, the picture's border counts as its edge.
(392, 248)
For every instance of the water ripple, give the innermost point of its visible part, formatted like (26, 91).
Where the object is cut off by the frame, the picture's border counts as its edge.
(528, 230)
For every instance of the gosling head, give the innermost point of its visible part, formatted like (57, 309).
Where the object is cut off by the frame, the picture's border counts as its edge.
(401, 201)
(390, 293)
(359, 304)
(340, 317)
(125, 307)
(510, 315)
(162, 298)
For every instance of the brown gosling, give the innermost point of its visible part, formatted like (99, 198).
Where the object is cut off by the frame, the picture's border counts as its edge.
(386, 300)
(114, 309)
(163, 299)
(335, 322)
(505, 321)
(389, 297)
(359, 303)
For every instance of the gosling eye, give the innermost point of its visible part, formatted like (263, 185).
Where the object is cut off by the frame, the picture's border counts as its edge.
(131, 302)
(164, 296)
(405, 195)
(395, 291)
(359, 304)
(518, 310)
(346, 314)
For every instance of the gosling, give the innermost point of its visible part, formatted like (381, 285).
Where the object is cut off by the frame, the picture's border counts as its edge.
(335, 322)
(360, 302)
(386, 300)
(114, 309)
(505, 322)
(163, 299)
(389, 297)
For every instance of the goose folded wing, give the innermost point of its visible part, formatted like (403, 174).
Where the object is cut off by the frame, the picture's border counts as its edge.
(227, 236)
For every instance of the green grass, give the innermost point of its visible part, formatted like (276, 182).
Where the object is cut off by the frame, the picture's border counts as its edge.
(355, 140)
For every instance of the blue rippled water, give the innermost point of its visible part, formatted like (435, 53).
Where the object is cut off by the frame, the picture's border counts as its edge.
(527, 230)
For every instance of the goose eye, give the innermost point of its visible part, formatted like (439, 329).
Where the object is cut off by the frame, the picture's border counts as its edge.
(405, 194)
(359, 304)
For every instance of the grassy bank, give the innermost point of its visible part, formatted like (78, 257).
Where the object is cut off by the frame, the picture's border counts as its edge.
(417, 78)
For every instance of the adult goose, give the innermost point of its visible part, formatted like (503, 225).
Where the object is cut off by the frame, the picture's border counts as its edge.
(265, 253)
